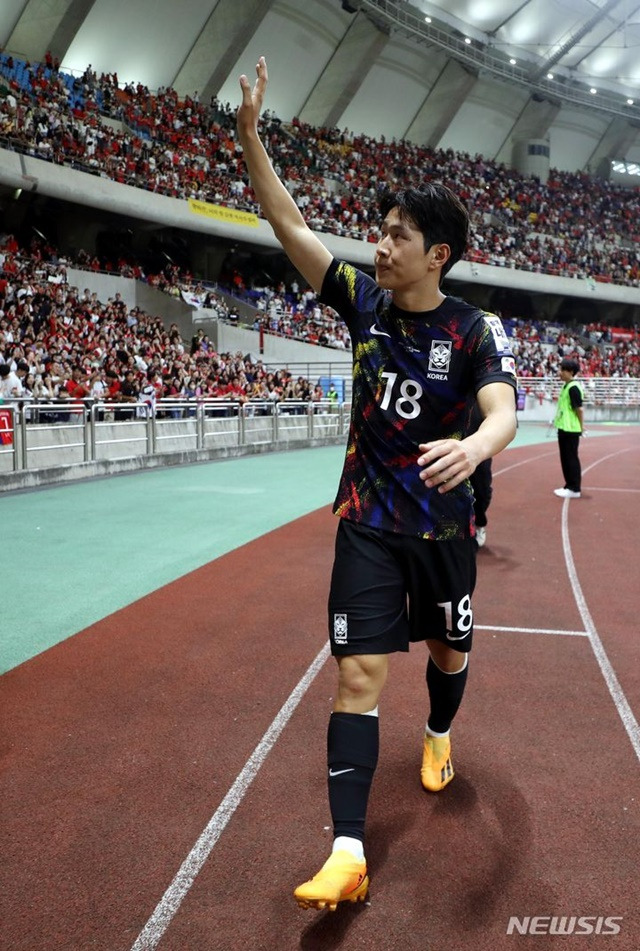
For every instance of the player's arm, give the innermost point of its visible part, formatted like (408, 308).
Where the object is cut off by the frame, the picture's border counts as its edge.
(498, 407)
(448, 462)
(304, 249)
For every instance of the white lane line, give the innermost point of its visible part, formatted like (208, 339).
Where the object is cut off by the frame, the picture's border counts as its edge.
(617, 694)
(601, 488)
(528, 630)
(524, 462)
(170, 902)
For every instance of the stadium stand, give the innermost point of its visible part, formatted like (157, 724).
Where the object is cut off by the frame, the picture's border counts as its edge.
(66, 345)
(185, 148)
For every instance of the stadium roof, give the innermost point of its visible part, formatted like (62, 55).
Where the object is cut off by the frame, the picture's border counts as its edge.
(593, 42)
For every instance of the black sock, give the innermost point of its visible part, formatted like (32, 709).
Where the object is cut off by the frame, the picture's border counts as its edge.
(352, 755)
(445, 693)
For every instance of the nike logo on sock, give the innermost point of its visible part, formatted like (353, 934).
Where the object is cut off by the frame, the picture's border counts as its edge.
(339, 772)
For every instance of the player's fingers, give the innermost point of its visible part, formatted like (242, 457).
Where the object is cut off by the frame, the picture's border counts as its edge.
(447, 484)
(261, 76)
(436, 474)
(431, 452)
(246, 90)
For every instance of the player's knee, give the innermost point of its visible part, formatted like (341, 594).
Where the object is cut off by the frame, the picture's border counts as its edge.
(361, 679)
(446, 658)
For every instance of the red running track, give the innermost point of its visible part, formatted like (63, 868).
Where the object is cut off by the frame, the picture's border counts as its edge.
(122, 746)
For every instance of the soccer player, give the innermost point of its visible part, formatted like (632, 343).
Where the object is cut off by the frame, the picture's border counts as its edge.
(404, 566)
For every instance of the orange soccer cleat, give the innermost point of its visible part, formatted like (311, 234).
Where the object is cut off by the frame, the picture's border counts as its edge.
(342, 878)
(437, 768)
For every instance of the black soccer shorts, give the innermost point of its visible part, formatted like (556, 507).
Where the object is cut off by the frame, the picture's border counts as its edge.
(389, 589)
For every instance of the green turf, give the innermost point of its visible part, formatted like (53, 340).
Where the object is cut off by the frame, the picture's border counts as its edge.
(79, 552)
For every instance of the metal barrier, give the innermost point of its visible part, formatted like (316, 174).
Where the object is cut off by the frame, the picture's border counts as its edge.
(8, 448)
(600, 391)
(37, 435)
(44, 435)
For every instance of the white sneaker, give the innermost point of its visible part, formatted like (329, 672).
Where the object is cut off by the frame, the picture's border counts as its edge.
(566, 493)
(481, 536)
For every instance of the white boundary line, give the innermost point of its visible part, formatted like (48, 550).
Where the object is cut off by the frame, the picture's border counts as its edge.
(170, 902)
(617, 695)
(602, 488)
(523, 462)
(528, 630)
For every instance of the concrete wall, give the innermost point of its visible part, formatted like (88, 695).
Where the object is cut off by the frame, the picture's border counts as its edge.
(60, 474)
(279, 351)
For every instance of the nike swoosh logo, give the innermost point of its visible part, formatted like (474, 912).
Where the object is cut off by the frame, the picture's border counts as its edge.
(378, 333)
(339, 772)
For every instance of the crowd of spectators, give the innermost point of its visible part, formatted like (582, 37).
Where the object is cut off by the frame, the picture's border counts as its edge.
(306, 320)
(58, 342)
(285, 312)
(538, 346)
(597, 357)
(61, 343)
(572, 224)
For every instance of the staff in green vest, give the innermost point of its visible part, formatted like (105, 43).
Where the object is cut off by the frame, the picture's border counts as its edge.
(569, 421)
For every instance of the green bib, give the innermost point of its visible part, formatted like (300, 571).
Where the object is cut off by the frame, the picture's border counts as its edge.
(566, 417)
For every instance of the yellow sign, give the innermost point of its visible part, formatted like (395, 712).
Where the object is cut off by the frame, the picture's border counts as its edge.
(232, 215)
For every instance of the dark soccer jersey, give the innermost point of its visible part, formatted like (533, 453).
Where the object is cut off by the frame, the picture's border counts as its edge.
(415, 376)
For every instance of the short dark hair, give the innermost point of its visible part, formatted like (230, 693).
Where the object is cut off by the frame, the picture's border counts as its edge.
(437, 211)
(570, 364)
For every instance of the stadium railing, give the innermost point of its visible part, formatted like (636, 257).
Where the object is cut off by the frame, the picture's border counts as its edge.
(37, 435)
(40, 437)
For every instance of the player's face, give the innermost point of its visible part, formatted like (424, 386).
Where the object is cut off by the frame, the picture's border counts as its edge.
(400, 259)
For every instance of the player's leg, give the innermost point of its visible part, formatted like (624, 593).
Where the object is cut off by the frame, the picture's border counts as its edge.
(481, 483)
(352, 746)
(446, 681)
(352, 756)
(442, 581)
(367, 619)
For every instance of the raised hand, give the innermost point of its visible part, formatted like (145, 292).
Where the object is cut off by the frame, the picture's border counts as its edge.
(251, 106)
